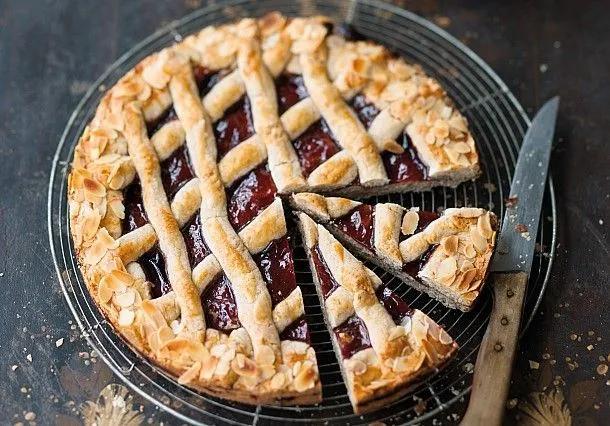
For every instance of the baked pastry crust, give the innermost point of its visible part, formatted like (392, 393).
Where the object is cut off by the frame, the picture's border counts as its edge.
(457, 246)
(401, 349)
(252, 363)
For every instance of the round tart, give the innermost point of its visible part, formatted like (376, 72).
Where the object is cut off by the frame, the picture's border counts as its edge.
(180, 230)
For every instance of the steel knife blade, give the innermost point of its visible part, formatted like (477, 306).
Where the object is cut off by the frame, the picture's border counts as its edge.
(510, 271)
(515, 247)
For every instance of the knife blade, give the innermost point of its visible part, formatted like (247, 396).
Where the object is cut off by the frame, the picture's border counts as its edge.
(510, 271)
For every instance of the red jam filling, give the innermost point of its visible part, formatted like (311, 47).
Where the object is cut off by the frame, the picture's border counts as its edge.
(413, 268)
(298, 330)
(365, 110)
(135, 216)
(219, 305)
(176, 170)
(153, 264)
(404, 167)
(396, 307)
(325, 279)
(352, 336)
(358, 224)
(193, 238)
(277, 267)
(290, 89)
(314, 146)
(249, 196)
(234, 127)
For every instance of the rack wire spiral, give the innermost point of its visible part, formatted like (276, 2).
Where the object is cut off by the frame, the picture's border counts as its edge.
(498, 123)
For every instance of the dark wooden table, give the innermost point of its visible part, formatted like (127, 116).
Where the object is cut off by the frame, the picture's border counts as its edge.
(50, 52)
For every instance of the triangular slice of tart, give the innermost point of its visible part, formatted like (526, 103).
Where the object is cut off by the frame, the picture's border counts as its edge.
(383, 346)
(445, 255)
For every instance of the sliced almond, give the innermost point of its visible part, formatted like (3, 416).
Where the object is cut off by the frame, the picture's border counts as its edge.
(356, 366)
(409, 222)
(265, 355)
(479, 241)
(277, 381)
(444, 337)
(447, 268)
(450, 244)
(469, 251)
(243, 366)
(104, 292)
(396, 333)
(484, 225)
(461, 147)
(305, 379)
(218, 350)
(126, 298)
(126, 317)
(190, 374)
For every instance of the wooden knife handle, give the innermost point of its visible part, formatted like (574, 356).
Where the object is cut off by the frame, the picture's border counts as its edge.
(492, 371)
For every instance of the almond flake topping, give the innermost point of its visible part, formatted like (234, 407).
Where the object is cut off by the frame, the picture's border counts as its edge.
(126, 317)
(409, 222)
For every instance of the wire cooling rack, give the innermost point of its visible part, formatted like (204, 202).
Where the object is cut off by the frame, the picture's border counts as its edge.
(498, 123)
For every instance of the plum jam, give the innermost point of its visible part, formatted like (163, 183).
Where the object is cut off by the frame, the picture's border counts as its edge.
(327, 282)
(290, 89)
(358, 224)
(153, 264)
(135, 215)
(234, 127)
(219, 307)
(277, 267)
(193, 238)
(314, 146)
(352, 336)
(298, 330)
(396, 307)
(176, 170)
(249, 196)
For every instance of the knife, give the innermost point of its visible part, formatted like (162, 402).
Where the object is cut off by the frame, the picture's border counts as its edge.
(510, 270)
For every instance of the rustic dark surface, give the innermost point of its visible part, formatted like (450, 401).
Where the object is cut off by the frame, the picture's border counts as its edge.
(51, 51)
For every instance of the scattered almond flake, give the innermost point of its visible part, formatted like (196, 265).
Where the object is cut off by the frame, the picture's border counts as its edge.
(544, 68)
(511, 403)
(24, 389)
(546, 356)
(442, 21)
(14, 367)
(59, 342)
(534, 365)
(602, 369)
(490, 187)
(511, 201)
(29, 357)
(573, 336)
(468, 367)
(30, 416)
(601, 358)
(520, 228)
(590, 347)
(552, 362)
(420, 408)
(591, 333)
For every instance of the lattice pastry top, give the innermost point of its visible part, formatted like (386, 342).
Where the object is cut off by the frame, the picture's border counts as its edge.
(173, 190)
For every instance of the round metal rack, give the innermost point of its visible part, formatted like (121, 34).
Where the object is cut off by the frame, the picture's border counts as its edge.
(498, 123)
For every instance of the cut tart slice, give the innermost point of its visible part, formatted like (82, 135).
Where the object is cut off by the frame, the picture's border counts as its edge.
(446, 256)
(383, 345)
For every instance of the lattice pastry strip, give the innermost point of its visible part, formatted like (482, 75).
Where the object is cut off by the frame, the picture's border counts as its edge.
(381, 343)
